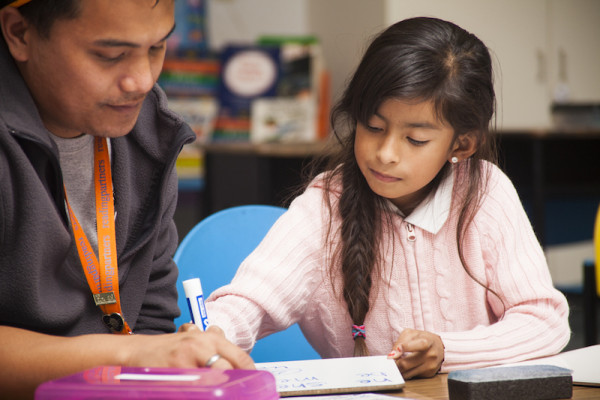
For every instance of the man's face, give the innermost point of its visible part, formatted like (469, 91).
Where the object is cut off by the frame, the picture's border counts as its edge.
(92, 73)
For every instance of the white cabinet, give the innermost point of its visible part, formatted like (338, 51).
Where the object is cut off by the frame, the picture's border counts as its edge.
(574, 55)
(541, 48)
(534, 43)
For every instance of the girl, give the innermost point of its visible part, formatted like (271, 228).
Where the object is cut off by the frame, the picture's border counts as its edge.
(413, 243)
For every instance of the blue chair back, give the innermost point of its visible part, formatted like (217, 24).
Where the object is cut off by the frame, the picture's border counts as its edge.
(213, 250)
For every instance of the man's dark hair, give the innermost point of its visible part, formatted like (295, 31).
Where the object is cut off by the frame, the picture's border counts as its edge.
(43, 13)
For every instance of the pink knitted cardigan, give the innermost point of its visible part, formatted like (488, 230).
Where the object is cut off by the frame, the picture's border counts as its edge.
(422, 285)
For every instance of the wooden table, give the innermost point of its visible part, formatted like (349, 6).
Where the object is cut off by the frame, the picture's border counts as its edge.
(436, 388)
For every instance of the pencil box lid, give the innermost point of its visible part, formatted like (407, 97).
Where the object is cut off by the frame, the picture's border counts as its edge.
(110, 382)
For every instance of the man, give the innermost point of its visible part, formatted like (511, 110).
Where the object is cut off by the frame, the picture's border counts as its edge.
(79, 113)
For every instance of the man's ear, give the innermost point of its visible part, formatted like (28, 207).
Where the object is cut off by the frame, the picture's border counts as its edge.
(15, 29)
(465, 146)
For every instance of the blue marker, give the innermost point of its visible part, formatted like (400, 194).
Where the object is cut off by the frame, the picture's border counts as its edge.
(195, 300)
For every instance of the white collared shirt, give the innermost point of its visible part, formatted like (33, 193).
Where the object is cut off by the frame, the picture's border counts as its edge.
(431, 214)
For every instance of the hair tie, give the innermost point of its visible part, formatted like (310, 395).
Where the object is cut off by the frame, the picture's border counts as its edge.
(358, 330)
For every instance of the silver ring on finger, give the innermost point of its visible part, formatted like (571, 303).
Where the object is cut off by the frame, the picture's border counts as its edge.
(212, 360)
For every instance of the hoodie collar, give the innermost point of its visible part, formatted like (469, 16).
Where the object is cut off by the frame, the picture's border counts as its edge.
(17, 108)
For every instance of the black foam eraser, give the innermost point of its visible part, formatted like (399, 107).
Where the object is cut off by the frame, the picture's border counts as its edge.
(526, 382)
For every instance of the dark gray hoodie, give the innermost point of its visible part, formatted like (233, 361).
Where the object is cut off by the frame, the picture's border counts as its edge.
(42, 286)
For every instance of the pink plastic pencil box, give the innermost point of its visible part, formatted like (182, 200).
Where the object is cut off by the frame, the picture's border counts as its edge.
(160, 383)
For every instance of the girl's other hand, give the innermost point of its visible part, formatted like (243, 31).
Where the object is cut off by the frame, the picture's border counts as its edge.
(418, 353)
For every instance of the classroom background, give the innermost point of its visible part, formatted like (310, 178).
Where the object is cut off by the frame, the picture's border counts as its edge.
(249, 74)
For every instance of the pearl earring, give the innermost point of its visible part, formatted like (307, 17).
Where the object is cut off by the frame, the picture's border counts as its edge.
(454, 160)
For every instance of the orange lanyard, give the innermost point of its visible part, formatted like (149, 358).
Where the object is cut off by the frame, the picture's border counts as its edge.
(102, 276)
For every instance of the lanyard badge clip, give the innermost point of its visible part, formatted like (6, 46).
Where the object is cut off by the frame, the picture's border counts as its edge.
(102, 299)
(114, 322)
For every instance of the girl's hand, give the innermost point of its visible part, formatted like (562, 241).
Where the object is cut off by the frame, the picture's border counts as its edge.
(418, 353)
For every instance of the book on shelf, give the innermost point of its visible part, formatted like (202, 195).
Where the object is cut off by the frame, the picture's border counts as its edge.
(248, 72)
(283, 119)
(274, 90)
(302, 92)
(190, 77)
(189, 39)
(198, 112)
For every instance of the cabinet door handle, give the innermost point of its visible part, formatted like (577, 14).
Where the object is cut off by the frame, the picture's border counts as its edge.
(541, 74)
(562, 65)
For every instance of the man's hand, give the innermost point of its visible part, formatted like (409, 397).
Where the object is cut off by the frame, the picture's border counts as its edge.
(188, 348)
(49, 357)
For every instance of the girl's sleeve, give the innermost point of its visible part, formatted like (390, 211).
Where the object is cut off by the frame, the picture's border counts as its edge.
(274, 283)
(535, 321)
